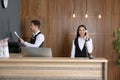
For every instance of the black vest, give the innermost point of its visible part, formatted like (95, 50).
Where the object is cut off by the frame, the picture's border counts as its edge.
(33, 39)
(78, 52)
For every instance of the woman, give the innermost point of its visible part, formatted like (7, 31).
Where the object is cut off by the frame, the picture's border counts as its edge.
(82, 45)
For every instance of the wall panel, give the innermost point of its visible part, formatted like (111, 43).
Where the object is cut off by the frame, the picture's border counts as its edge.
(60, 28)
(10, 20)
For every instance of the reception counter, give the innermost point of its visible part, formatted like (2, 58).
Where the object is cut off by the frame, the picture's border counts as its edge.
(56, 68)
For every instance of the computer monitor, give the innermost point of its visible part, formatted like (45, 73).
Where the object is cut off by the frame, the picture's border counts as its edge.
(36, 52)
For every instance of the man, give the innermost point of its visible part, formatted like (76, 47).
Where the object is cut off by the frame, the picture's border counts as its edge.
(37, 39)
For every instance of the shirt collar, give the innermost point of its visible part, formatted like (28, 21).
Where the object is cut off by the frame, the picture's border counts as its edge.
(36, 32)
(81, 38)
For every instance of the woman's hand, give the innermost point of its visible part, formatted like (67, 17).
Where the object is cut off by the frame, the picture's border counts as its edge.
(87, 37)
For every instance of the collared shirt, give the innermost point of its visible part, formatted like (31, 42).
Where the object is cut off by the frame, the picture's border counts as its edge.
(81, 42)
(39, 39)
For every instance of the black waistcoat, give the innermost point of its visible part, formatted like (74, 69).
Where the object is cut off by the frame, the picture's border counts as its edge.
(33, 39)
(78, 51)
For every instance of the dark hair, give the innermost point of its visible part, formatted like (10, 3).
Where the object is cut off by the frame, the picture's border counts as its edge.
(77, 35)
(36, 23)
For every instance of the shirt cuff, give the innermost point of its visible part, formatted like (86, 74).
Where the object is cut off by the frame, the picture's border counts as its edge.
(25, 43)
(88, 39)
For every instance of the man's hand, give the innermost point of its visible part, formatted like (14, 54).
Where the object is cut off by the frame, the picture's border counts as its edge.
(21, 40)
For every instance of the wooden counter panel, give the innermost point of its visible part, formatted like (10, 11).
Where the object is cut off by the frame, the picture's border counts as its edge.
(54, 59)
(53, 69)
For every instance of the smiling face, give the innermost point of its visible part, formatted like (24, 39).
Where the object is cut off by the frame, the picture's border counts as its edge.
(82, 31)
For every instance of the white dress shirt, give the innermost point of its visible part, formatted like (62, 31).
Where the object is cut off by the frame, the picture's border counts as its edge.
(39, 39)
(81, 42)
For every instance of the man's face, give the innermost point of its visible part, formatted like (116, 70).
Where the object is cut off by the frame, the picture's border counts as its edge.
(33, 27)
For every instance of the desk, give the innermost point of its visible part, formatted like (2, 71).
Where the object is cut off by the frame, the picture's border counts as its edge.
(57, 68)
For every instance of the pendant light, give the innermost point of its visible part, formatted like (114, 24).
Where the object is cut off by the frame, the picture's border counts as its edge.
(99, 9)
(86, 12)
(73, 15)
